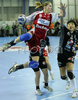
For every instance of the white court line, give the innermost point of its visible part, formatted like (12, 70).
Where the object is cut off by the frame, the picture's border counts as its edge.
(56, 95)
(4, 77)
(20, 75)
(12, 76)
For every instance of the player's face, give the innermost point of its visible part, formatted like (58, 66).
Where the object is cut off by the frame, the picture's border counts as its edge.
(49, 8)
(71, 26)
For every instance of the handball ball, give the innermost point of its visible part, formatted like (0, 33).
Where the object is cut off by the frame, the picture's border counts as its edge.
(22, 19)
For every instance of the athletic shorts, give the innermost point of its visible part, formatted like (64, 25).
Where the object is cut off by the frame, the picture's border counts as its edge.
(34, 43)
(63, 59)
(42, 62)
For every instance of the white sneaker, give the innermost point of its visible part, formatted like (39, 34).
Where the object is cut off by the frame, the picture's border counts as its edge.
(38, 92)
(68, 85)
(75, 94)
(48, 88)
(5, 46)
(12, 69)
(52, 76)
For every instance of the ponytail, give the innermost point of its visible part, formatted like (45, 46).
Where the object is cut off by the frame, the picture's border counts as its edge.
(38, 5)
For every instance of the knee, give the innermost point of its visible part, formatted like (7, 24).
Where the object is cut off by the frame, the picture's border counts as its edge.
(70, 74)
(33, 64)
(25, 37)
(64, 77)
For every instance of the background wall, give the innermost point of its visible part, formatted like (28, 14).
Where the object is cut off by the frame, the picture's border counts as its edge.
(10, 9)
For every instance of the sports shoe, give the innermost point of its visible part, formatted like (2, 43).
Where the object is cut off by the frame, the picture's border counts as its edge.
(68, 85)
(12, 69)
(5, 46)
(52, 76)
(75, 94)
(38, 92)
(48, 88)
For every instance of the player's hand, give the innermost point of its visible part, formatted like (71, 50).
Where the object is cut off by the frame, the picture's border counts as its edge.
(62, 6)
(21, 15)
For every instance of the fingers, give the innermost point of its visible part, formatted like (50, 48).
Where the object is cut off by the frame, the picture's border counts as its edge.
(61, 3)
(63, 6)
(21, 15)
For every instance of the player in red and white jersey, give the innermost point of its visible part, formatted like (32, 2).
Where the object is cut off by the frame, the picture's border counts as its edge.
(42, 21)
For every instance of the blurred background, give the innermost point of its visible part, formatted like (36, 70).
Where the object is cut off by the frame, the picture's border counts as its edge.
(10, 10)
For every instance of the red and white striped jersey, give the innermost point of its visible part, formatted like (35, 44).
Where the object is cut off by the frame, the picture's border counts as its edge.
(42, 22)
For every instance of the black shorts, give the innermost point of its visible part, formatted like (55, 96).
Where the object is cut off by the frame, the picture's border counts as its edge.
(63, 59)
(42, 62)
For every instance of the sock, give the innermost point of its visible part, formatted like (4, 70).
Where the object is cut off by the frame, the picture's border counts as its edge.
(12, 42)
(74, 84)
(37, 87)
(68, 79)
(19, 67)
(46, 84)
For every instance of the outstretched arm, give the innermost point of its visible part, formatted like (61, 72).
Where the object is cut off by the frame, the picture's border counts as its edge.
(30, 17)
(62, 10)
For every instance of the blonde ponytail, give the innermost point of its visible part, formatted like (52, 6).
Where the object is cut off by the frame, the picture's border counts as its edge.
(38, 5)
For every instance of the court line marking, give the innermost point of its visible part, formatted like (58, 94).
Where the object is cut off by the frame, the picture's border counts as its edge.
(57, 95)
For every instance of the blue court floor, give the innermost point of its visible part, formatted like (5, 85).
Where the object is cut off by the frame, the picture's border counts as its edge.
(20, 85)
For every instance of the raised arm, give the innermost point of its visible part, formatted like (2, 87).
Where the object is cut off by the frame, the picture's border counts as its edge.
(62, 10)
(22, 19)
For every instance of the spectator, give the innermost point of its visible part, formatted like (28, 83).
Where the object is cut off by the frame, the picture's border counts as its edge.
(7, 30)
(19, 29)
(28, 27)
(57, 28)
(2, 32)
(31, 26)
(14, 29)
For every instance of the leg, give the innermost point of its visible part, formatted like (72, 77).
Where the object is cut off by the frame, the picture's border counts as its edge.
(72, 78)
(49, 67)
(23, 37)
(64, 77)
(16, 67)
(45, 72)
(43, 66)
(37, 76)
(62, 59)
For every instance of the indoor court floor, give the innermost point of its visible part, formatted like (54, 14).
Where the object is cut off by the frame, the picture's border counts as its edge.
(20, 85)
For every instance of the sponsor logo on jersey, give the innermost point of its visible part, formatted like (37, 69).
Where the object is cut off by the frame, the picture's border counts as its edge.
(41, 27)
(43, 22)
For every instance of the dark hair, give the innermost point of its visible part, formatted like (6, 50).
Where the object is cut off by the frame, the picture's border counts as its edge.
(72, 21)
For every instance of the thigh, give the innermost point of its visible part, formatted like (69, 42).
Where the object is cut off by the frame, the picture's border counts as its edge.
(69, 66)
(35, 58)
(63, 71)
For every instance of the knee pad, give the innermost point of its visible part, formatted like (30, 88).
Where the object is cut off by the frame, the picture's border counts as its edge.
(64, 77)
(25, 37)
(33, 64)
(70, 74)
